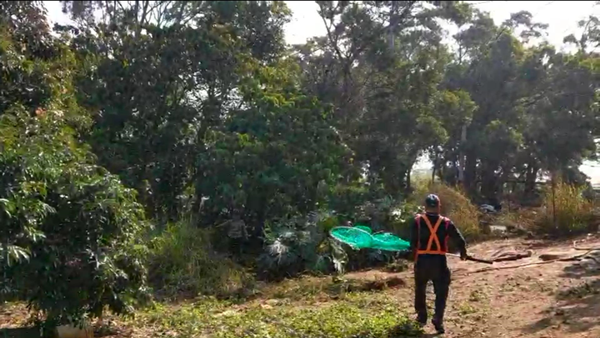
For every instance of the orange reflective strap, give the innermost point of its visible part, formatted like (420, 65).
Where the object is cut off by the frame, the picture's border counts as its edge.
(433, 237)
(433, 233)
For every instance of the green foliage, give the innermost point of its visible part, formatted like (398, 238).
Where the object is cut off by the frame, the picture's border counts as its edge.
(75, 224)
(300, 244)
(204, 110)
(277, 157)
(356, 316)
(70, 230)
(182, 261)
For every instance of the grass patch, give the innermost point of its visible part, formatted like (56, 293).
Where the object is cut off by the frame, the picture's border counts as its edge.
(313, 289)
(182, 261)
(360, 315)
(524, 218)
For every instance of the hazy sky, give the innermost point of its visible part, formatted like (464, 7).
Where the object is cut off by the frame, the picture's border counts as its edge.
(561, 16)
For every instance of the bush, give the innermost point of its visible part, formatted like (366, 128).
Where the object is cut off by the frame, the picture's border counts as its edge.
(69, 228)
(523, 218)
(182, 261)
(301, 244)
(455, 205)
(573, 211)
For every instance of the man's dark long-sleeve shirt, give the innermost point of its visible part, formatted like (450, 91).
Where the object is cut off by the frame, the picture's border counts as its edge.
(421, 236)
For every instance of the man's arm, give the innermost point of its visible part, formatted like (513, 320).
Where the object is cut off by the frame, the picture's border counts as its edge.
(458, 238)
(414, 236)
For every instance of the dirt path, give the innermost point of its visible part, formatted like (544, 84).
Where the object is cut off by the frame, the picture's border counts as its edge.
(559, 299)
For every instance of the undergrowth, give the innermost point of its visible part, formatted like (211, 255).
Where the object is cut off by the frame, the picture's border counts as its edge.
(567, 206)
(362, 314)
(182, 262)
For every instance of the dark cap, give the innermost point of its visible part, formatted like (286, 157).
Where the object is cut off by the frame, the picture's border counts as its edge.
(432, 201)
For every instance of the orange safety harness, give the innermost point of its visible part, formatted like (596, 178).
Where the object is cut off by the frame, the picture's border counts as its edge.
(433, 237)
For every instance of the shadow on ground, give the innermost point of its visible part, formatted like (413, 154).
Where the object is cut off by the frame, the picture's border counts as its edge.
(20, 333)
(577, 308)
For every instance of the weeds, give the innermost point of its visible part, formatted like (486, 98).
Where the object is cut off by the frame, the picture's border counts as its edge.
(182, 261)
(566, 211)
(355, 316)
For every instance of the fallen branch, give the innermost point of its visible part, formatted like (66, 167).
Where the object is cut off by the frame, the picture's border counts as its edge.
(584, 248)
(564, 259)
(473, 259)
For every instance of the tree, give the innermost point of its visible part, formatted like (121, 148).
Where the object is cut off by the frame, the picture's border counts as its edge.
(159, 76)
(379, 65)
(276, 156)
(68, 226)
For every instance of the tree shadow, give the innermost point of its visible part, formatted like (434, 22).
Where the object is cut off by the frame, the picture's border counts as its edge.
(587, 267)
(25, 332)
(577, 308)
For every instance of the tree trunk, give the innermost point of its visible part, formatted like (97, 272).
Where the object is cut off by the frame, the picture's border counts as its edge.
(530, 179)
(553, 178)
(470, 174)
(461, 156)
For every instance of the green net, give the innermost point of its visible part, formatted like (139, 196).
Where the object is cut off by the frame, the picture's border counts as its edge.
(363, 227)
(361, 237)
(389, 242)
(353, 236)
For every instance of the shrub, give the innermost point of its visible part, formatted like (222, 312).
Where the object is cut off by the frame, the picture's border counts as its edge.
(573, 211)
(69, 228)
(300, 244)
(525, 218)
(182, 261)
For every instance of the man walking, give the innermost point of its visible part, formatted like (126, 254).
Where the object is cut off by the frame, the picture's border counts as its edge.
(429, 244)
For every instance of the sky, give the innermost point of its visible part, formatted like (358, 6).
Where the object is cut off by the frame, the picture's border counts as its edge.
(561, 16)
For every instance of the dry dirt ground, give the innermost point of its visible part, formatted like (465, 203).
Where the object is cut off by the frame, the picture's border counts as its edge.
(559, 299)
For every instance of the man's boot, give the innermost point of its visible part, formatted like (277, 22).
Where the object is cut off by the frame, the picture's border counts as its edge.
(421, 321)
(439, 325)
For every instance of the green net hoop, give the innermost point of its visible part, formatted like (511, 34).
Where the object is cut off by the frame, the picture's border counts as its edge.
(363, 227)
(361, 237)
(356, 237)
(389, 242)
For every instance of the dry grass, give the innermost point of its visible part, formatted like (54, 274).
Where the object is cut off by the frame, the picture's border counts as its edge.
(568, 207)
(524, 218)
(454, 205)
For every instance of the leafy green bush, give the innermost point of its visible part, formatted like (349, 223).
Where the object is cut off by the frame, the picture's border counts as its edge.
(182, 261)
(69, 228)
(568, 204)
(300, 244)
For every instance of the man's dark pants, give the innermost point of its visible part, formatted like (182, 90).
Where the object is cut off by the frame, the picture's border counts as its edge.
(431, 268)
